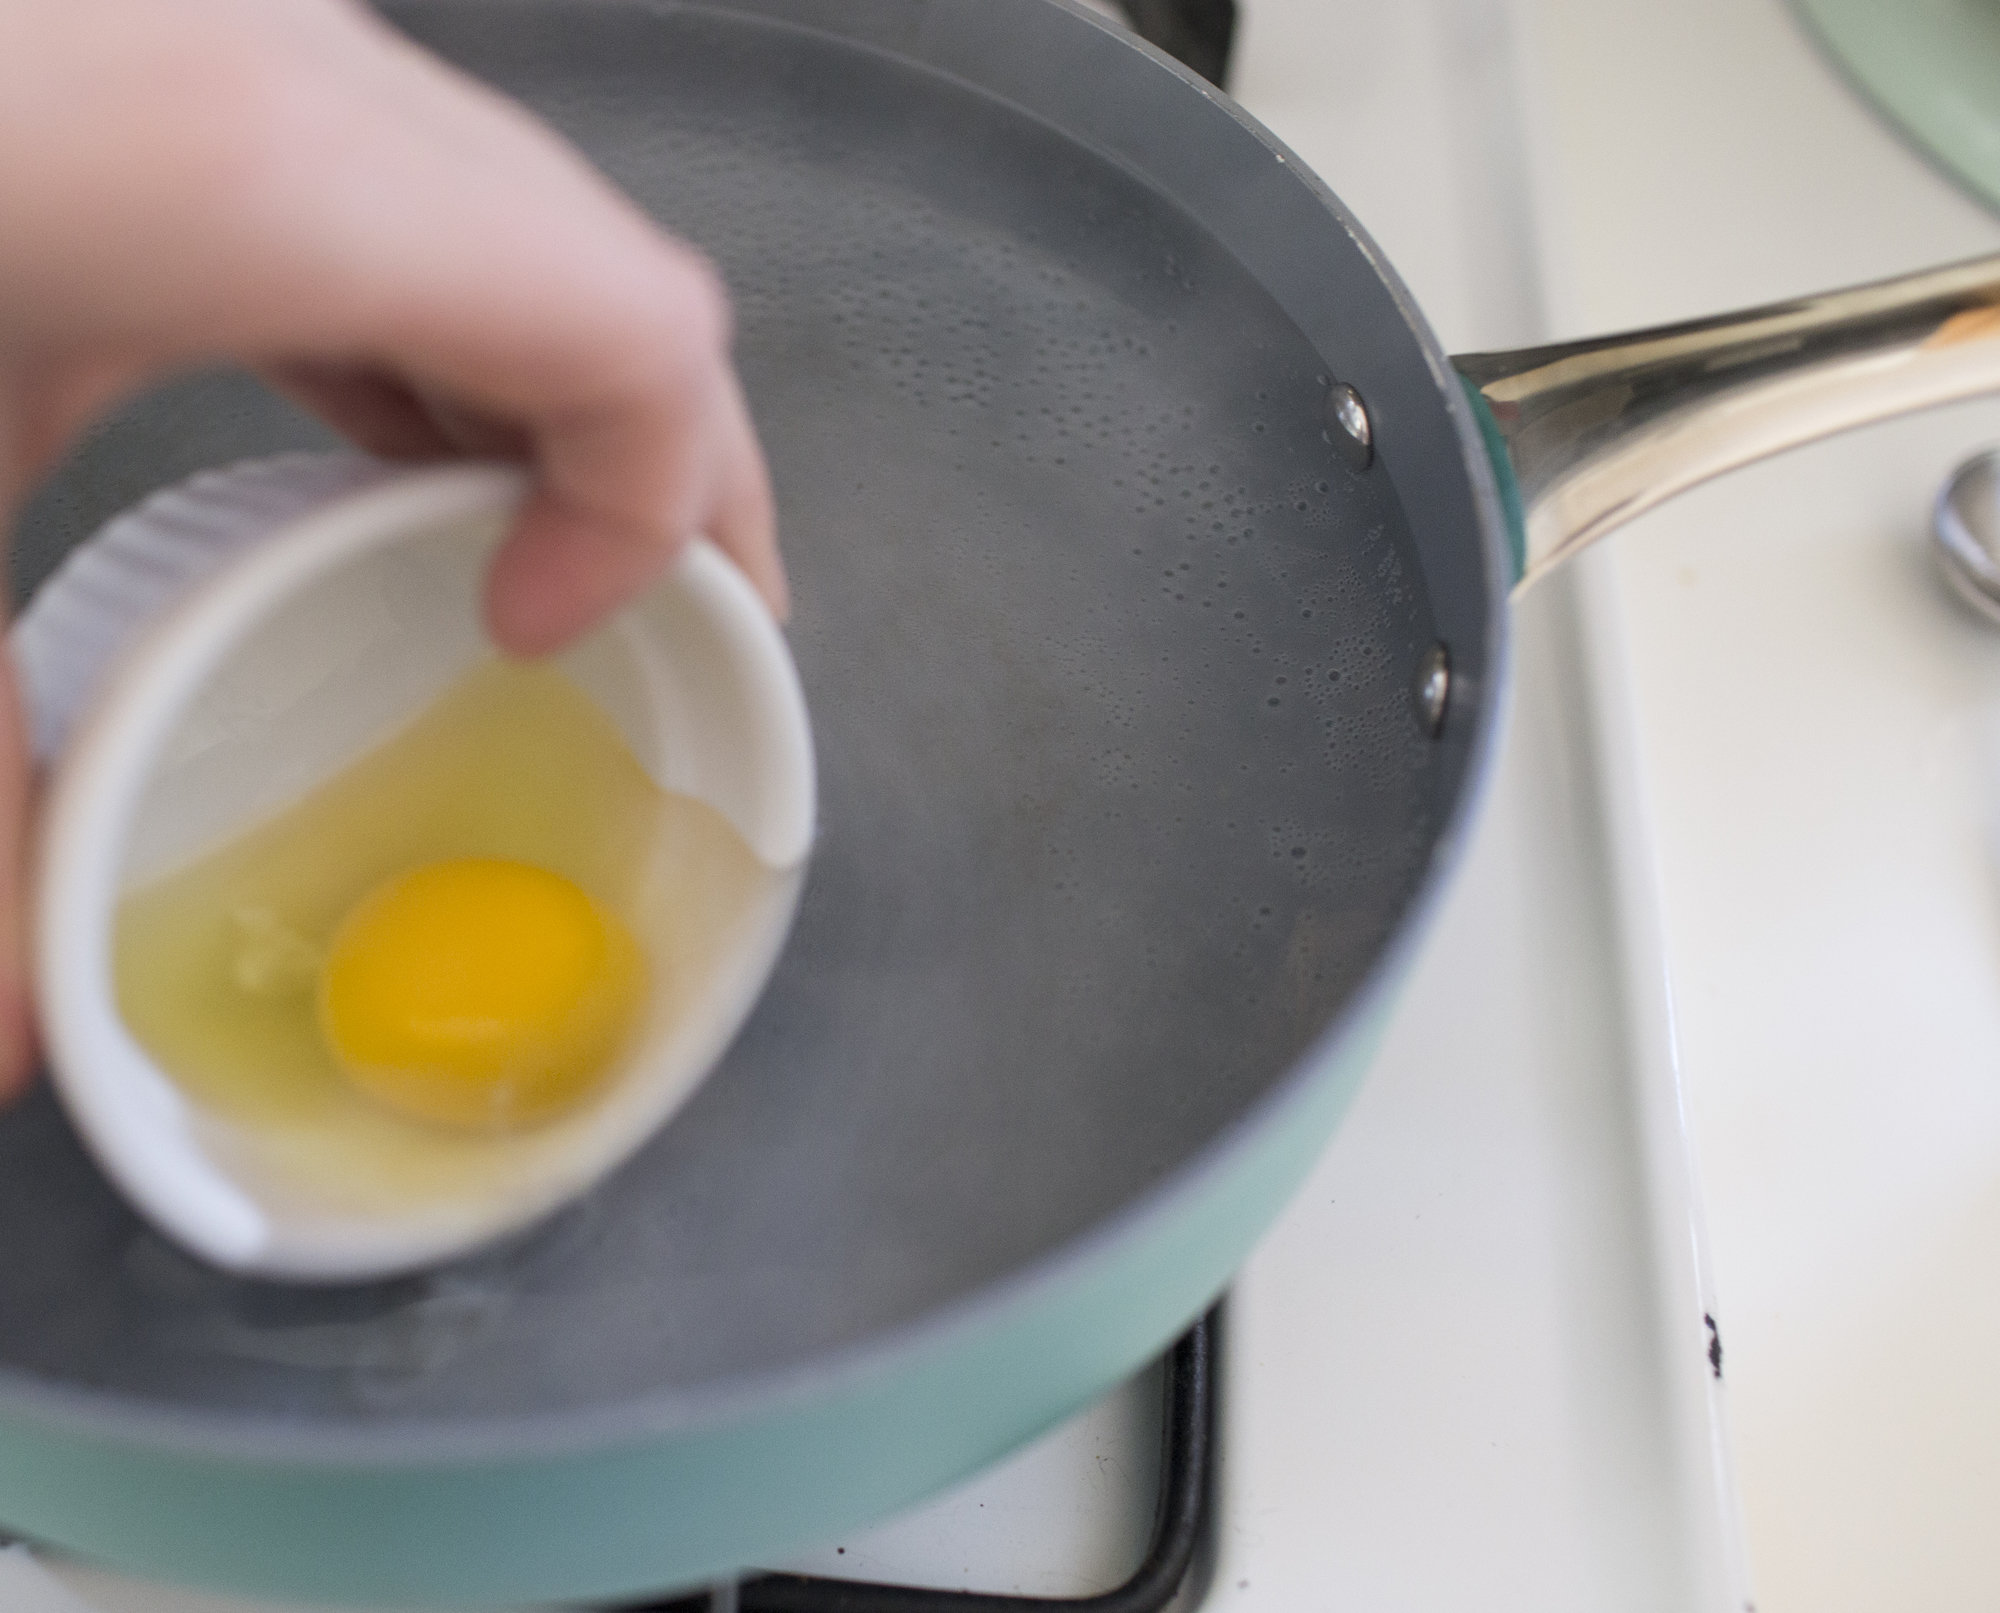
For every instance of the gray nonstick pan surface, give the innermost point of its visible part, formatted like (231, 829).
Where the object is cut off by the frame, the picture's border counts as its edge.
(1131, 811)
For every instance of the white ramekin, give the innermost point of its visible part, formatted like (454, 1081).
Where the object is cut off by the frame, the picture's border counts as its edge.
(209, 655)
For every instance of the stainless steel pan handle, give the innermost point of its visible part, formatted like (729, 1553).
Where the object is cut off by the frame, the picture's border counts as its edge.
(1597, 432)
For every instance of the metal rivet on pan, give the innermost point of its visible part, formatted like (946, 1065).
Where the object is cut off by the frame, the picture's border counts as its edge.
(1347, 426)
(1433, 688)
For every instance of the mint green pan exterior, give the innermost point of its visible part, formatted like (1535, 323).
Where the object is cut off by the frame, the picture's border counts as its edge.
(1932, 67)
(617, 1518)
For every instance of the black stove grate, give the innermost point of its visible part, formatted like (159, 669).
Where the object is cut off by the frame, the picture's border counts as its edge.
(1196, 33)
(1187, 1461)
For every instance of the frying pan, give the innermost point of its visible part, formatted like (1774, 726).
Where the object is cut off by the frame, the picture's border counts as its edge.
(1151, 563)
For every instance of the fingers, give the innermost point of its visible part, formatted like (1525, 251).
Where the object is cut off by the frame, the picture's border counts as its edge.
(618, 501)
(471, 432)
(574, 559)
(604, 346)
(564, 569)
(371, 410)
(48, 403)
(428, 267)
(546, 319)
(389, 417)
(743, 521)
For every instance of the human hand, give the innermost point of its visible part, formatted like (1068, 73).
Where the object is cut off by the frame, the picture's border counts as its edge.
(290, 185)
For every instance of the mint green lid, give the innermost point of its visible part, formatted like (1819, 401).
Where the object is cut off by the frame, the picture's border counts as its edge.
(1933, 67)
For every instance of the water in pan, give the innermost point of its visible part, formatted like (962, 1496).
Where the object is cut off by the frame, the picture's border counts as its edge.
(1122, 787)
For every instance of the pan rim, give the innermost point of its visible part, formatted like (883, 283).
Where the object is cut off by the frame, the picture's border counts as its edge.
(439, 1444)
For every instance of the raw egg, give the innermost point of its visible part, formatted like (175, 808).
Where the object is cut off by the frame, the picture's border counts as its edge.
(448, 946)
(478, 992)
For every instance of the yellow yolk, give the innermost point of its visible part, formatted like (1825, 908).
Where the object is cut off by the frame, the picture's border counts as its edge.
(479, 993)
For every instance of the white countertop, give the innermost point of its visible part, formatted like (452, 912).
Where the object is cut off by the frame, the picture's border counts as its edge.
(1810, 795)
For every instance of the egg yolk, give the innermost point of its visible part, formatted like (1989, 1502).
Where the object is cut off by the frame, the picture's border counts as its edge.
(478, 993)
